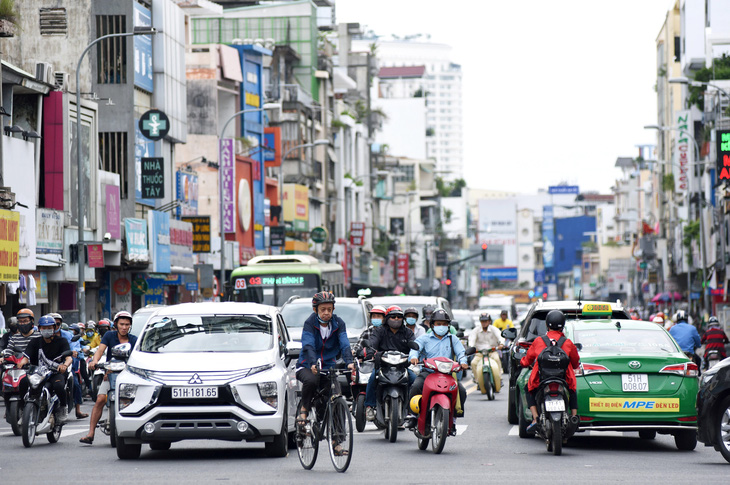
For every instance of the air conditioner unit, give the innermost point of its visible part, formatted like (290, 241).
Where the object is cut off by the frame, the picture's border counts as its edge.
(44, 72)
(61, 80)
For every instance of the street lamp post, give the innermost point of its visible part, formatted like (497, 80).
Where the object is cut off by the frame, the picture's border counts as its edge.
(81, 293)
(703, 249)
(222, 282)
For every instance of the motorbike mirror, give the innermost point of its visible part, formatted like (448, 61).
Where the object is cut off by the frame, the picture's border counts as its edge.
(460, 334)
(64, 355)
(75, 338)
(471, 350)
(509, 333)
(578, 345)
(413, 345)
(122, 351)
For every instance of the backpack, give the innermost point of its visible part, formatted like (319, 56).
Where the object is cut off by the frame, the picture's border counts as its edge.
(552, 360)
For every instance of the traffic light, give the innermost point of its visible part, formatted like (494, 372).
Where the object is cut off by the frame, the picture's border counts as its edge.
(484, 251)
(448, 281)
(544, 296)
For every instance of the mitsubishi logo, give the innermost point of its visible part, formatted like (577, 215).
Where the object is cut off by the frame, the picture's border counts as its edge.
(195, 379)
(634, 364)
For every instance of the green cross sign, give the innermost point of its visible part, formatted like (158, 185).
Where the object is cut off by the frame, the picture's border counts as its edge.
(154, 124)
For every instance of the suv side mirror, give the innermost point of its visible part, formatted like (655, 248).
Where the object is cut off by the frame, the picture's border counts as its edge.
(293, 349)
(509, 333)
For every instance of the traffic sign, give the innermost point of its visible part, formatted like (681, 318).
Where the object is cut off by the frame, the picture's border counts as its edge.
(318, 234)
(441, 258)
(154, 124)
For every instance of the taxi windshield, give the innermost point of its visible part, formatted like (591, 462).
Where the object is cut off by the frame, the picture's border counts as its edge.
(612, 340)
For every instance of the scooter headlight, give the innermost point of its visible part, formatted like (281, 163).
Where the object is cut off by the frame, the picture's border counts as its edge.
(116, 366)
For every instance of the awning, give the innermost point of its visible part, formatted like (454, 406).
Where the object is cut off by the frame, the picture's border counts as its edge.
(181, 270)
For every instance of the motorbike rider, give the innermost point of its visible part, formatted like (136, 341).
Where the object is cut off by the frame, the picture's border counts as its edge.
(103, 327)
(52, 346)
(658, 320)
(555, 322)
(75, 346)
(324, 335)
(91, 336)
(26, 331)
(377, 314)
(687, 337)
(392, 336)
(410, 315)
(714, 339)
(484, 337)
(12, 330)
(438, 343)
(123, 323)
(503, 322)
(427, 311)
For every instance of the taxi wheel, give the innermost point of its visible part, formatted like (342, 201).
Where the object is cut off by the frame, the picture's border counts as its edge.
(685, 440)
(722, 439)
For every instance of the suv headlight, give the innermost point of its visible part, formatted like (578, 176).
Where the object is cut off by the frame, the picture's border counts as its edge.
(261, 368)
(138, 372)
(127, 394)
(269, 393)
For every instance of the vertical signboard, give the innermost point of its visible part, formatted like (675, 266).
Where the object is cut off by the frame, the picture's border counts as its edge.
(9, 245)
(225, 151)
(723, 154)
(159, 227)
(95, 255)
(402, 269)
(135, 231)
(272, 146)
(357, 233)
(142, 49)
(113, 221)
(683, 152)
(498, 227)
(153, 178)
(49, 230)
(548, 237)
(181, 244)
(143, 148)
(187, 193)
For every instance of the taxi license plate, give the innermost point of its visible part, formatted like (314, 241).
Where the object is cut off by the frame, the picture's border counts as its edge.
(635, 382)
(553, 406)
(194, 392)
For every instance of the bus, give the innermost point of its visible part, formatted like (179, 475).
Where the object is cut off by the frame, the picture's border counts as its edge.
(272, 280)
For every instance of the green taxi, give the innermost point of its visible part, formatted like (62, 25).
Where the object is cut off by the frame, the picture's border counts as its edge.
(633, 377)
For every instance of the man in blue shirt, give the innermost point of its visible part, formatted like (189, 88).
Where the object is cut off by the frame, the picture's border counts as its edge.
(439, 343)
(686, 336)
(123, 324)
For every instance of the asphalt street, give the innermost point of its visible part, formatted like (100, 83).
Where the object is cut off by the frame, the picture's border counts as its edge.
(487, 448)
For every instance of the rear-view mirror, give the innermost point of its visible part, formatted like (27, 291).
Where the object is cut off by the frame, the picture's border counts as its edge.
(122, 351)
(413, 345)
(509, 333)
(471, 350)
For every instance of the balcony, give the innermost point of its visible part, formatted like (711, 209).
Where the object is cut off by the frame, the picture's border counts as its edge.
(289, 93)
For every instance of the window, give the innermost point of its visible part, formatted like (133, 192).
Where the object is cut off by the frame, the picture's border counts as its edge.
(397, 226)
(406, 173)
(114, 154)
(677, 48)
(111, 54)
(53, 21)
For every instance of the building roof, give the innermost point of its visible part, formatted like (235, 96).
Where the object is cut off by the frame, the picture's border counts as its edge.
(624, 162)
(401, 71)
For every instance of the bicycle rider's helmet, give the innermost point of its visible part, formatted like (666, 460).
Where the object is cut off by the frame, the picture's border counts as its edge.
(555, 320)
(440, 314)
(323, 297)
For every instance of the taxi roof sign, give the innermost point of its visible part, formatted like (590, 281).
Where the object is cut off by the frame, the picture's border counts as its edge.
(597, 309)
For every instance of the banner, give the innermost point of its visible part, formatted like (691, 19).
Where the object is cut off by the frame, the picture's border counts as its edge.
(187, 193)
(113, 221)
(9, 246)
(135, 231)
(49, 231)
(402, 269)
(357, 233)
(225, 151)
(548, 237)
(181, 244)
(296, 207)
(683, 154)
(159, 227)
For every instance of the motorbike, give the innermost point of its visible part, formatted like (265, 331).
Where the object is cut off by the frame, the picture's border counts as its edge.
(120, 354)
(15, 385)
(40, 413)
(437, 407)
(487, 375)
(97, 376)
(712, 357)
(555, 423)
(392, 392)
(358, 384)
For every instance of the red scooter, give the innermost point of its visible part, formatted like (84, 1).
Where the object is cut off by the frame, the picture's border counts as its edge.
(437, 408)
(15, 385)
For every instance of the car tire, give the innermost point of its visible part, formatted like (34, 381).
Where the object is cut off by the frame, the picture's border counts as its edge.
(279, 448)
(511, 406)
(686, 440)
(522, 422)
(128, 451)
(722, 419)
(647, 434)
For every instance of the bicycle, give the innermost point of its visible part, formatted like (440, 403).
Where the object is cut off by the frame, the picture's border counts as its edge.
(335, 425)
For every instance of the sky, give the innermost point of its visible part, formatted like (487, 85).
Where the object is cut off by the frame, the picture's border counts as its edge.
(553, 91)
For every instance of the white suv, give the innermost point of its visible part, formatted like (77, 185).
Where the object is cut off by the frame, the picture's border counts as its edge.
(208, 371)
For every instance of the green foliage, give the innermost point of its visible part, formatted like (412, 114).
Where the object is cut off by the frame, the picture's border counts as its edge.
(691, 233)
(359, 183)
(430, 131)
(9, 12)
(448, 214)
(720, 70)
(450, 189)
(611, 244)
(337, 124)
(382, 245)
(668, 182)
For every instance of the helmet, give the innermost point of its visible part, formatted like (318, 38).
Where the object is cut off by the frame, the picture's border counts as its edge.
(410, 309)
(681, 316)
(393, 310)
(416, 403)
(90, 322)
(555, 320)
(658, 320)
(321, 297)
(427, 309)
(91, 326)
(64, 326)
(26, 312)
(661, 314)
(46, 321)
(484, 317)
(13, 324)
(440, 314)
(81, 325)
(75, 328)
(122, 314)
(713, 321)
(55, 315)
(380, 309)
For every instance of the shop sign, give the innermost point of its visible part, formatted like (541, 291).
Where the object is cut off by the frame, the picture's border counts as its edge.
(357, 233)
(402, 268)
(95, 255)
(113, 221)
(225, 152)
(201, 233)
(181, 244)
(153, 178)
(9, 245)
(723, 154)
(187, 193)
(49, 231)
(136, 235)
(159, 227)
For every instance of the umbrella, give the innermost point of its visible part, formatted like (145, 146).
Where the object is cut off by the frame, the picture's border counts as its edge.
(667, 296)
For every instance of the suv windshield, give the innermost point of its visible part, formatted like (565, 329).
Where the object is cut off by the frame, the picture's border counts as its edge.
(627, 340)
(353, 314)
(216, 333)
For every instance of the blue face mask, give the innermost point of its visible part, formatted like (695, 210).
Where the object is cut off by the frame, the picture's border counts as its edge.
(89, 334)
(376, 322)
(322, 322)
(441, 330)
(411, 321)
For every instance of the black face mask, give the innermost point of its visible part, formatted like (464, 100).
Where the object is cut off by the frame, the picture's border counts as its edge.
(102, 331)
(26, 327)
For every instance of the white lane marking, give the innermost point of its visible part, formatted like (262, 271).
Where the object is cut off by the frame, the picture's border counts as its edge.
(461, 429)
(514, 431)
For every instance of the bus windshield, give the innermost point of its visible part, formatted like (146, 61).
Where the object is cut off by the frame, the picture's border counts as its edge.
(274, 289)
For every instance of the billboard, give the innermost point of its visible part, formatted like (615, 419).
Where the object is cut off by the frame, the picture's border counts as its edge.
(187, 193)
(9, 245)
(498, 227)
(296, 207)
(159, 227)
(181, 244)
(142, 49)
(244, 209)
(135, 231)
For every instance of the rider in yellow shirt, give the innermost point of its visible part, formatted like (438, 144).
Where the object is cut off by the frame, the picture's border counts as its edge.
(503, 322)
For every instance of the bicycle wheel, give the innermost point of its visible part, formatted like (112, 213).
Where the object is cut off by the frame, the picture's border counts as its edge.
(339, 434)
(307, 441)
